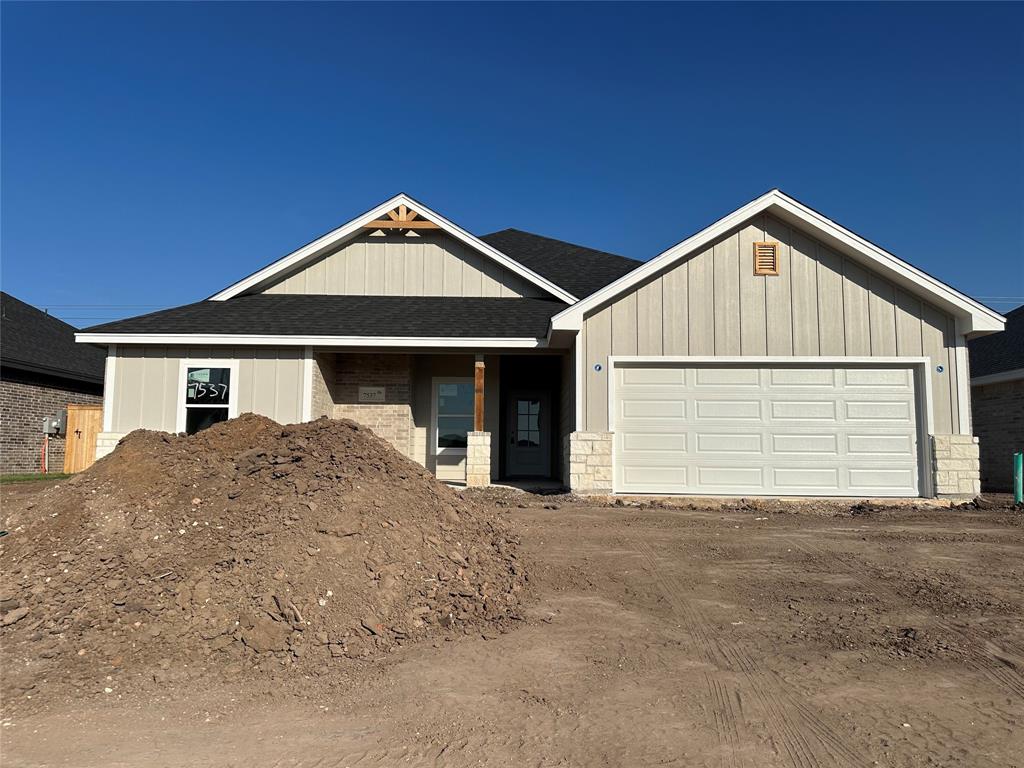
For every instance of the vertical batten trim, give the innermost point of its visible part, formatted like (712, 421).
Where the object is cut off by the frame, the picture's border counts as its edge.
(307, 384)
(109, 374)
(963, 393)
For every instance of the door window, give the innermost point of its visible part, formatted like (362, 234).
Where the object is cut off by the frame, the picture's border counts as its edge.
(528, 423)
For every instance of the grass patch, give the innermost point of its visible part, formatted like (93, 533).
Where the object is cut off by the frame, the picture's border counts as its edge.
(31, 477)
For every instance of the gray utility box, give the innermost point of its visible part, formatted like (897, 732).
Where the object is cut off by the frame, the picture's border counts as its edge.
(55, 425)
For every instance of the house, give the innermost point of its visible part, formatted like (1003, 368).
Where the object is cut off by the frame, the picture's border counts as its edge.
(772, 353)
(997, 400)
(42, 371)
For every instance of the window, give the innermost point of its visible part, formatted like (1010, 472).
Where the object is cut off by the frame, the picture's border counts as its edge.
(207, 394)
(453, 414)
(527, 423)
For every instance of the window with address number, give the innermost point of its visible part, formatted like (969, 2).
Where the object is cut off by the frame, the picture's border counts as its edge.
(207, 397)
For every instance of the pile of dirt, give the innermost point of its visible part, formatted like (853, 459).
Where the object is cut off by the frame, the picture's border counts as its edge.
(247, 549)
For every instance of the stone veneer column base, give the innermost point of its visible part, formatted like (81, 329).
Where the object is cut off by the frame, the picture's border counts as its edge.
(106, 442)
(590, 462)
(955, 465)
(478, 459)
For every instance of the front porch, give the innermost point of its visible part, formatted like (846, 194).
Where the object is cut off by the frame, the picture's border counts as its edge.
(468, 418)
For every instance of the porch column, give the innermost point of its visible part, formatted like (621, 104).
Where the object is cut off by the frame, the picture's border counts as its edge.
(478, 442)
(478, 394)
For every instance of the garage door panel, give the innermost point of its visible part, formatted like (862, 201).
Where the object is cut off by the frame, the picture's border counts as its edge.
(804, 478)
(802, 377)
(804, 410)
(647, 377)
(794, 442)
(869, 479)
(880, 378)
(664, 477)
(727, 409)
(868, 410)
(730, 477)
(800, 430)
(653, 441)
(727, 377)
(729, 442)
(653, 409)
(881, 445)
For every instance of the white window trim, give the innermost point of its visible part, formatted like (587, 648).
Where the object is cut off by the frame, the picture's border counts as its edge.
(184, 365)
(436, 383)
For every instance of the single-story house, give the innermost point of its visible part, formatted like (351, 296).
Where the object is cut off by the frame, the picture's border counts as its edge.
(997, 400)
(42, 371)
(773, 353)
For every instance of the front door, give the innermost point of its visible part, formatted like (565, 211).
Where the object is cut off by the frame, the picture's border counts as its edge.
(528, 434)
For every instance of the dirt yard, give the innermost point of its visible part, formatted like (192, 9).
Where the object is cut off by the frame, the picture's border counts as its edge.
(746, 636)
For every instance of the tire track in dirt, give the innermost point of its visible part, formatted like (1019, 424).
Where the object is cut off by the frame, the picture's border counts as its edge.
(806, 740)
(1006, 676)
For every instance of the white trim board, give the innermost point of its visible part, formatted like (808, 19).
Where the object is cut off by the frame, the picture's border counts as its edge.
(307, 384)
(976, 317)
(337, 236)
(208, 339)
(109, 375)
(998, 378)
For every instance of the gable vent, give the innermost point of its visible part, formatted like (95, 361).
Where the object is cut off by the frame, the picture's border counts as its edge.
(766, 258)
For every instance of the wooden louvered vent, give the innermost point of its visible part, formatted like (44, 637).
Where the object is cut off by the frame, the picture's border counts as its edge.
(766, 258)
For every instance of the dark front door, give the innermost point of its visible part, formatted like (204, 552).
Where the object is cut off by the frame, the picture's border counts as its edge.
(528, 434)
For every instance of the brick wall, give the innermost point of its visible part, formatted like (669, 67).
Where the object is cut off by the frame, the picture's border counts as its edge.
(998, 413)
(392, 419)
(25, 400)
(323, 375)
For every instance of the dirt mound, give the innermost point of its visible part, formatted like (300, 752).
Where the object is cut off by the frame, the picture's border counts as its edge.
(247, 548)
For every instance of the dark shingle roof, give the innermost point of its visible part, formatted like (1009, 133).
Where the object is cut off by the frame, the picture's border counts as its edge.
(32, 340)
(320, 315)
(998, 352)
(579, 270)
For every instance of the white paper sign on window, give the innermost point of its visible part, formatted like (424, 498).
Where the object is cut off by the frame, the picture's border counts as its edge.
(371, 394)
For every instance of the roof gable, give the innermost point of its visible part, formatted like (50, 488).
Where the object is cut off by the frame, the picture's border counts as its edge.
(576, 268)
(972, 316)
(333, 239)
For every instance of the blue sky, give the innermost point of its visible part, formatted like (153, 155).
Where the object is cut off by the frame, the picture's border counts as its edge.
(153, 154)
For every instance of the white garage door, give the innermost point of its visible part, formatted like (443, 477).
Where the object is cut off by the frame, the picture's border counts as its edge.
(749, 430)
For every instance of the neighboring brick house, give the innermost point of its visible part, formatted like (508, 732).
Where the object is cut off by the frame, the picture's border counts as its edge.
(42, 370)
(997, 397)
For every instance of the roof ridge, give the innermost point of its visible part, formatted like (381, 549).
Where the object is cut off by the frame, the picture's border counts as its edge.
(560, 242)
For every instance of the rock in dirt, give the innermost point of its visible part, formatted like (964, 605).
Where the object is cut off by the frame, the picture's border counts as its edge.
(13, 617)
